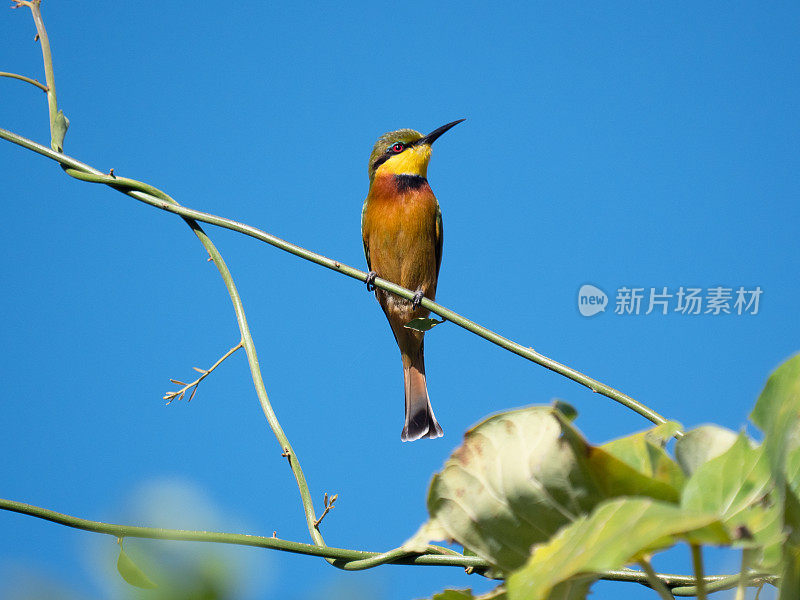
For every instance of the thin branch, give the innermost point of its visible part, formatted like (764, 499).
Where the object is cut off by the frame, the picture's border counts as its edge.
(654, 581)
(670, 580)
(697, 563)
(377, 560)
(170, 396)
(741, 587)
(329, 506)
(401, 555)
(344, 558)
(726, 582)
(150, 195)
(47, 58)
(41, 86)
(338, 554)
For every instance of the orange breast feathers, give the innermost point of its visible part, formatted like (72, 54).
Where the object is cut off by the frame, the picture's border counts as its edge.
(402, 233)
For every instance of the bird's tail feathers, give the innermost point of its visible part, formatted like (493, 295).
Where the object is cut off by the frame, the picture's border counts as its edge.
(420, 421)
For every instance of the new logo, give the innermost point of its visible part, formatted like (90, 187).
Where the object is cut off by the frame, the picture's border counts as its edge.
(591, 300)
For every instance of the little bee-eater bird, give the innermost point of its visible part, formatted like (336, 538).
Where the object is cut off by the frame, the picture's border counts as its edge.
(401, 225)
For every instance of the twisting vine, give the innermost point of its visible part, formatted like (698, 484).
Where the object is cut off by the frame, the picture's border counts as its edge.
(142, 191)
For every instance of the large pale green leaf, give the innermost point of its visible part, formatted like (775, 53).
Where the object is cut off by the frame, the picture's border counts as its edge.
(738, 487)
(618, 532)
(730, 483)
(761, 528)
(511, 484)
(616, 477)
(777, 413)
(701, 444)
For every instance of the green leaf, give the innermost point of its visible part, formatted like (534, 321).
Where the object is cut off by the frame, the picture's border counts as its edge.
(422, 324)
(132, 573)
(430, 530)
(661, 434)
(764, 523)
(575, 588)
(617, 533)
(60, 127)
(790, 551)
(511, 484)
(454, 595)
(660, 478)
(566, 409)
(730, 483)
(645, 452)
(792, 468)
(790, 572)
(777, 413)
(499, 593)
(737, 486)
(701, 445)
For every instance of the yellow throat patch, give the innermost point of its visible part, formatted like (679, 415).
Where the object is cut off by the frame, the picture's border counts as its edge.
(412, 161)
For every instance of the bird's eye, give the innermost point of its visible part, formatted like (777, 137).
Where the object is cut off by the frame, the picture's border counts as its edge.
(397, 147)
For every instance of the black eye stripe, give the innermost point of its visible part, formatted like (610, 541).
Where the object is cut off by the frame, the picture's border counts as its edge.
(381, 160)
(390, 152)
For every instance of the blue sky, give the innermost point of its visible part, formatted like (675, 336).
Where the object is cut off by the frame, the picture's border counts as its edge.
(623, 145)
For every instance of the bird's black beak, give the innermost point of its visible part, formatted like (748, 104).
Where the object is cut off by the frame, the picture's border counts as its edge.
(436, 133)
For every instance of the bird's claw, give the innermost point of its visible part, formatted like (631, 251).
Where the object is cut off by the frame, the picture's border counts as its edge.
(417, 299)
(370, 281)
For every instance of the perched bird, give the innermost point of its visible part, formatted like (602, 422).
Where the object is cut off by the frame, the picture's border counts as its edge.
(401, 226)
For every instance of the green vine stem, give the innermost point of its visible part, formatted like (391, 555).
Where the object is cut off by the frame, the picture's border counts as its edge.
(47, 57)
(741, 586)
(727, 582)
(341, 555)
(697, 563)
(344, 558)
(41, 86)
(151, 196)
(684, 585)
(140, 191)
(654, 581)
(130, 188)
